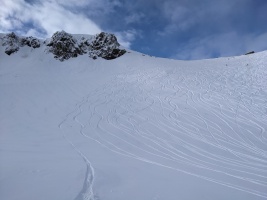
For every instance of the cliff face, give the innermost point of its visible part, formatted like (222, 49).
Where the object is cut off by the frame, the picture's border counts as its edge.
(65, 46)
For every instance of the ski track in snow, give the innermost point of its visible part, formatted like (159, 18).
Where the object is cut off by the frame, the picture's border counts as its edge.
(86, 192)
(212, 128)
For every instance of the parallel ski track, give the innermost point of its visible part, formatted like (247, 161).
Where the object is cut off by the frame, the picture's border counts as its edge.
(208, 123)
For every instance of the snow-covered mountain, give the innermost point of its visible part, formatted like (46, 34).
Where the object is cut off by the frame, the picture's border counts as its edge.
(137, 127)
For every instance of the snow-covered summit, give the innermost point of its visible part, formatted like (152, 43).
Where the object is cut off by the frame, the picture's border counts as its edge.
(64, 45)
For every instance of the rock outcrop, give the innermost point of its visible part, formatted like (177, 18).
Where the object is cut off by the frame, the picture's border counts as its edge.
(106, 46)
(65, 46)
(251, 52)
(14, 42)
(31, 42)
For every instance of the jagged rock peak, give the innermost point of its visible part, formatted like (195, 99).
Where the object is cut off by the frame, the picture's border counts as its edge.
(14, 42)
(106, 46)
(65, 46)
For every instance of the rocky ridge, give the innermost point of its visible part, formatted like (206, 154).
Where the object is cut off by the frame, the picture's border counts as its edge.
(65, 46)
(14, 42)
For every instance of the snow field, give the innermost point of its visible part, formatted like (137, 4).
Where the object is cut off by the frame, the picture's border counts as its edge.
(137, 127)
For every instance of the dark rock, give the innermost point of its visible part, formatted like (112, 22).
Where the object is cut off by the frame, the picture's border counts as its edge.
(31, 42)
(11, 40)
(11, 50)
(115, 53)
(251, 52)
(64, 46)
(105, 40)
(24, 41)
(105, 45)
(13, 43)
(35, 43)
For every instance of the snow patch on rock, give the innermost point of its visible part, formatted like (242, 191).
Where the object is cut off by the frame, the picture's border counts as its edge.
(65, 46)
(106, 46)
(14, 42)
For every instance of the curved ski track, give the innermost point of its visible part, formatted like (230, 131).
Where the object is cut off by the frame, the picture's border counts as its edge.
(207, 123)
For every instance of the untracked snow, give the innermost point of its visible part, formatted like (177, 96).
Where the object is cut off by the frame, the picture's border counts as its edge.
(136, 127)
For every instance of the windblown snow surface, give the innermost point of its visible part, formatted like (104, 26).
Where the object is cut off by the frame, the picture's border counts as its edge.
(135, 128)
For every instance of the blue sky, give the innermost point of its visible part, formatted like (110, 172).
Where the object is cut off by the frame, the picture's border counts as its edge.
(179, 29)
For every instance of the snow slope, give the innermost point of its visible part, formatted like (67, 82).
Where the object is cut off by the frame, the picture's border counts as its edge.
(136, 127)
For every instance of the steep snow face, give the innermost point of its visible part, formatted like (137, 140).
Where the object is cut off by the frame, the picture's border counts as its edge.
(64, 45)
(136, 127)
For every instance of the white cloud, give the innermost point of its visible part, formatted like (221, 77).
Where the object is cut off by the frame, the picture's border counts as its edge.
(6, 10)
(219, 44)
(126, 37)
(49, 16)
(134, 18)
(75, 2)
(256, 43)
(179, 18)
(174, 12)
(95, 8)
